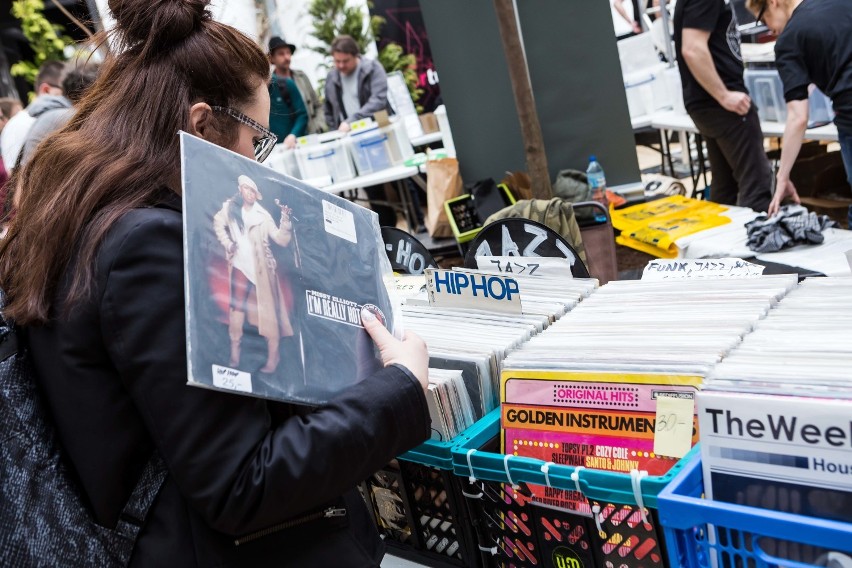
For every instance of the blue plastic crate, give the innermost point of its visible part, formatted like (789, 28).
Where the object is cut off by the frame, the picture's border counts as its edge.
(740, 536)
(440, 454)
(605, 486)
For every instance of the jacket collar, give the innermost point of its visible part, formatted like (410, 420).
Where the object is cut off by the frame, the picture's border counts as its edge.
(169, 200)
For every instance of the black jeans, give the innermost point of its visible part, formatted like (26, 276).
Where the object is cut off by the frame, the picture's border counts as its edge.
(741, 171)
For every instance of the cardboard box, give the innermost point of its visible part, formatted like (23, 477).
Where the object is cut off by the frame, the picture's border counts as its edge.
(429, 122)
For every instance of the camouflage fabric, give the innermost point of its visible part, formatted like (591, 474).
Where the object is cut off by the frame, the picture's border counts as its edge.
(555, 213)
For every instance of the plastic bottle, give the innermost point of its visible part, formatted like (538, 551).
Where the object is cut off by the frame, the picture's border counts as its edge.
(597, 181)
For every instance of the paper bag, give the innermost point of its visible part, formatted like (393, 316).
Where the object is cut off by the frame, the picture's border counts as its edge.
(443, 182)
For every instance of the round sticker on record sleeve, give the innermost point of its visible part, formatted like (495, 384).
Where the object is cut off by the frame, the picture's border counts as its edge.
(376, 311)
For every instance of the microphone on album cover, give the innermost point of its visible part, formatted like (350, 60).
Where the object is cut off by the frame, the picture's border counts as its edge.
(292, 217)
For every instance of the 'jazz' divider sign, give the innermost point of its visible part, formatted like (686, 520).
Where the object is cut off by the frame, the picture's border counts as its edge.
(472, 290)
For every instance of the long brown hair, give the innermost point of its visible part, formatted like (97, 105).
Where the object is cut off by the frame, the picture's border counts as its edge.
(121, 148)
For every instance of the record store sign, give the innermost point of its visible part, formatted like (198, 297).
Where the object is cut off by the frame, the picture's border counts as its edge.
(473, 291)
(526, 265)
(682, 269)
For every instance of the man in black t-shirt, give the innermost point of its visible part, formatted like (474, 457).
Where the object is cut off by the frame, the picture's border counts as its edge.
(711, 70)
(814, 46)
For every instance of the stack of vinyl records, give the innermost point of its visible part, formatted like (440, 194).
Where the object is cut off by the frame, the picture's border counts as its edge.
(476, 342)
(803, 346)
(585, 392)
(450, 407)
(776, 416)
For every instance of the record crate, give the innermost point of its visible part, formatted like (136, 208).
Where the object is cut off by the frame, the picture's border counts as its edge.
(701, 533)
(512, 531)
(418, 506)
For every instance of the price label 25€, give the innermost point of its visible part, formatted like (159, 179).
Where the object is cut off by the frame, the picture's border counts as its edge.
(673, 426)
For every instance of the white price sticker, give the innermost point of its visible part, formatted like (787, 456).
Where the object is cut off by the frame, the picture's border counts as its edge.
(339, 222)
(231, 379)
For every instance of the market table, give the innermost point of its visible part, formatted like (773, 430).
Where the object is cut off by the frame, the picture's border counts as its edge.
(729, 240)
(426, 139)
(395, 175)
(670, 120)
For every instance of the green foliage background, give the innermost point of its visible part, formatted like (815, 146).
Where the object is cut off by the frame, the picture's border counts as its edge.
(332, 18)
(48, 40)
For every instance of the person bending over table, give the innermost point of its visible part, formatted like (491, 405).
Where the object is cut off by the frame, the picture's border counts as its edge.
(814, 46)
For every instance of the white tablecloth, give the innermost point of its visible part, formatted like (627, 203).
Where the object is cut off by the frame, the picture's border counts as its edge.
(730, 241)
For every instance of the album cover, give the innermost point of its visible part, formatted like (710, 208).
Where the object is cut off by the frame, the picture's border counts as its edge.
(595, 420)
(785, 453)
(276, 275)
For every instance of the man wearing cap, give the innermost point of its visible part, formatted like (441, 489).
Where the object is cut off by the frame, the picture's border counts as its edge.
(288, 117)
(280, 54)
(245, 230)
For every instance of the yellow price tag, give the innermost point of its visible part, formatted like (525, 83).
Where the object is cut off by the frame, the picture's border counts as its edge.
(359, 125)
(673, 426)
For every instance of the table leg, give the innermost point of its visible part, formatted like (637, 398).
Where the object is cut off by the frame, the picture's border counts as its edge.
(702, 163)
(692, 174)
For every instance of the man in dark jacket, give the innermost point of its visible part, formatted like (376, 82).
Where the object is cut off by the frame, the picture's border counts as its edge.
(356, 88)
(280, 56)
(288, 115)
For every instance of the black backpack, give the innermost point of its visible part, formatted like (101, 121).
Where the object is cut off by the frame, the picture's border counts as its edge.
(43, 519)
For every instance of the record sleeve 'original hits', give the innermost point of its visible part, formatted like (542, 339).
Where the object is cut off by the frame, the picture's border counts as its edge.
(277, 273)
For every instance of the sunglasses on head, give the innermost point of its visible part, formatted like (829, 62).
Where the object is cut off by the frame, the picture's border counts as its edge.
(264, 144)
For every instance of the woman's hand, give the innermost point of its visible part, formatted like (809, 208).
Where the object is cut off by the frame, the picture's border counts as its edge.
(410, 352)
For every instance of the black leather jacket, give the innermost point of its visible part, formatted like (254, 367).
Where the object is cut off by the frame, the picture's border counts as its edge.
(114, 377)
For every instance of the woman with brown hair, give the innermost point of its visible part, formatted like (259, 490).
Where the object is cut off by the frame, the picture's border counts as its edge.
(93, 272)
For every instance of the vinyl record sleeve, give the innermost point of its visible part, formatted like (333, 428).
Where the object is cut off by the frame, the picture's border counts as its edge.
(476, 373)
(273, 295)
(780, 452)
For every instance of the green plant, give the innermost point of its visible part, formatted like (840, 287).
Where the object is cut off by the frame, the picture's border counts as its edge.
(46, 39)
(332, 18)
(393, 58)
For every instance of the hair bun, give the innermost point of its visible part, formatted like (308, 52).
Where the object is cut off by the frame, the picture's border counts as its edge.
(158, 23)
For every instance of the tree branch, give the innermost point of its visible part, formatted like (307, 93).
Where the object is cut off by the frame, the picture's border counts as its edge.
(524, 102)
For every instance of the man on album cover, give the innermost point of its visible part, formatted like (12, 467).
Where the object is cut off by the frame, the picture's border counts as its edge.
(246, 230)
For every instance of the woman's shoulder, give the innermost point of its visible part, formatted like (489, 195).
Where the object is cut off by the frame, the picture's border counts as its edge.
(146, 219)
(144, 229)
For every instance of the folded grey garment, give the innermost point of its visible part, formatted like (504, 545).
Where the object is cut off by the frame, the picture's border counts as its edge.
(793, 225)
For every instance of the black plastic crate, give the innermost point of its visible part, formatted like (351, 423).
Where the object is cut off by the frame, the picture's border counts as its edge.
(513, 531)
(422, 515)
